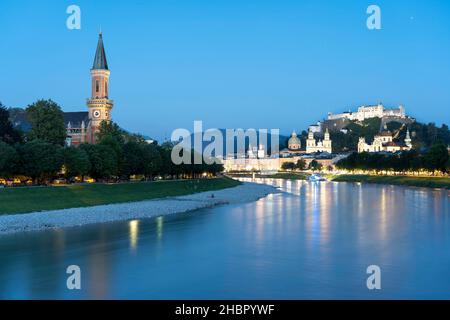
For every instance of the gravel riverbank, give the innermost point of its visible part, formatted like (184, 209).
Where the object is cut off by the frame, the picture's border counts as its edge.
(132, 210)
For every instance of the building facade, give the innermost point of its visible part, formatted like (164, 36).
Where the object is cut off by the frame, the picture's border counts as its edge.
(82, 127)
(294, 143)
(383, 142)
(369, 112)
(313, 146)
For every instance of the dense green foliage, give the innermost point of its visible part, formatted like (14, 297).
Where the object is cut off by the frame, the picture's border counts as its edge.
(315, 166)
(7, 132)
(9, 160)
(288, 166)
(436, 159)
(300, 165)
(426, 135)
(40, 160)
(118, 155)
(21, 200)
(47, 122)
(76, 162)
(423, 135)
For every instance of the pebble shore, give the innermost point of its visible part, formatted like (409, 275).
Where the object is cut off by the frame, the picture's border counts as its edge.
(36, 221)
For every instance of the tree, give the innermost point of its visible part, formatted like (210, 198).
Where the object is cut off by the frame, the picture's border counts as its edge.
(9, 160)
(301, 164)
(448, 166)
(47, 122)
(76, 162)
(111, 130)
(112, 136)
(437, 157)
(288, 166)
(315, 166)
(7, 132)
(41, 160)
(133, 159)
(153, 163)
(103, 161)
(167, 167)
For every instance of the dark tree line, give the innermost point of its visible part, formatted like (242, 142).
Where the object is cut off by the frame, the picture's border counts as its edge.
(41, 154)
(436, 159)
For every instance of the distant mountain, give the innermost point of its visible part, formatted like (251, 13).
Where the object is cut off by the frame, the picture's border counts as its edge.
(282, 142)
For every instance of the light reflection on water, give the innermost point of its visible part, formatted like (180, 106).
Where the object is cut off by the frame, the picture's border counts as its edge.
(313, 241)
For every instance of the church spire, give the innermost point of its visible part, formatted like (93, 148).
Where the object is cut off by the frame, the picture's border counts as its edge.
(100, 62)
(100, 106)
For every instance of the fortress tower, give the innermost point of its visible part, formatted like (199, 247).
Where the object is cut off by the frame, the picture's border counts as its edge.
(99, 104)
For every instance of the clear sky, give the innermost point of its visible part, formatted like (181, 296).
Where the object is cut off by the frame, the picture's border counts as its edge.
(263, 64)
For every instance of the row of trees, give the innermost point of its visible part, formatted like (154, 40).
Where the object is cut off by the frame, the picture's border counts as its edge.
(41, 154)
(301, 165)
(436, 159)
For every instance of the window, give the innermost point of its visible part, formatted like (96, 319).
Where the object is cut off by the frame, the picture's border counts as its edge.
(97, 86)
(106, 88)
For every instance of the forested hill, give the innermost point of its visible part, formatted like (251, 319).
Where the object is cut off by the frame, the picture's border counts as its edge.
(423, 135)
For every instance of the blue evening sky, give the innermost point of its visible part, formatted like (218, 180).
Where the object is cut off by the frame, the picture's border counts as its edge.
(262, 64)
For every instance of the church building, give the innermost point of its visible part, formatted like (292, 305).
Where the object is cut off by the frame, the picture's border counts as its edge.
(384, 142)
(313, 146)
(82, 127)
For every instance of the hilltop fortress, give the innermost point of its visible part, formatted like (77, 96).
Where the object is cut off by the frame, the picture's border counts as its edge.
(337, 122)
(368, 112)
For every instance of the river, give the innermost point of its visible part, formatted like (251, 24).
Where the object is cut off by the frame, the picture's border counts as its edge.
(314, 241)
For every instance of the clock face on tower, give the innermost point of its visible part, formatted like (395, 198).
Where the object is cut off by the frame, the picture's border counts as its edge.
(96, 114)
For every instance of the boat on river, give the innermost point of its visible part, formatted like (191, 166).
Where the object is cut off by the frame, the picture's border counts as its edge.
(315, 177)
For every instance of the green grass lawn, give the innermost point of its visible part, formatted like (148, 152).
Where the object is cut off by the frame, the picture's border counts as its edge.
(22, 200)
(279, 175)
(288, 175)
(428, 182)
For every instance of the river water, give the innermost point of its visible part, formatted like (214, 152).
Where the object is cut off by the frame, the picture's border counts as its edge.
(314, 241)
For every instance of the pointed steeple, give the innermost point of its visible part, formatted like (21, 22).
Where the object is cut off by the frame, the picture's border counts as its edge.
(408, 136)
(408, 141)
(100, 62)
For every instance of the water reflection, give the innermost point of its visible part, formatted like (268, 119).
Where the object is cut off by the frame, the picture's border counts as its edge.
(313, 241)
(159, 227)
(134, 233)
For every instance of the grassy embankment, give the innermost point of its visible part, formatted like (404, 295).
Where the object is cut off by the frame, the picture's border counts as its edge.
(30, 199)
(288, 175)
(279, 175)
(427, 182)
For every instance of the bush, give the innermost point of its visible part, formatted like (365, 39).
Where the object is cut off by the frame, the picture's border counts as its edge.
(41, 160)
(9, 160)
(76, 162)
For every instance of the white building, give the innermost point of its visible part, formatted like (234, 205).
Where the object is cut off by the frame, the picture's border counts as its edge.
(313, 146)
(383, 142)
(369, 112)
(261, 152)
(316, 128)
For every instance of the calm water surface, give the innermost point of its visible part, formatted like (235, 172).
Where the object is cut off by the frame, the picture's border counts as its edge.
(314, 241)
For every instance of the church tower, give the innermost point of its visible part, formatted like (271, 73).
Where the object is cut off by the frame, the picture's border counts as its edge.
(99, 104)
(310, 142)
(327, 142)
(408, 141)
